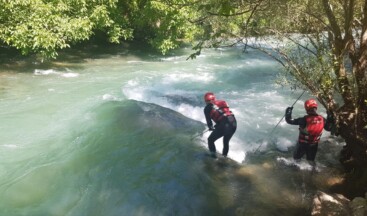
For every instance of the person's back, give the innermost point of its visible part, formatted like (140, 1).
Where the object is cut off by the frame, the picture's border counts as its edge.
(312, 130)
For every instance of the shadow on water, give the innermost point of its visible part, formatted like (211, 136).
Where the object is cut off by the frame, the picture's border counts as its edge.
(73, 58)
(12, 61)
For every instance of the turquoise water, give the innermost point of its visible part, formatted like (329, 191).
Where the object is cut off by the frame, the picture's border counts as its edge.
(118, 132)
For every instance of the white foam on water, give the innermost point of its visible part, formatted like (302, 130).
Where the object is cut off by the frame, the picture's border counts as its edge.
(134, 93)
(132, 83)
(45, 72)
(40, 72)
(109, 97)
(69, 75)
(301, 164)
(195, 113)
(283, 143)
(205, 77)
(135, 61)
(10, 146)
(173, 58)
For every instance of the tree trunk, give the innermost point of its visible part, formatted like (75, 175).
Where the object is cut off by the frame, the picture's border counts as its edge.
(354, 154)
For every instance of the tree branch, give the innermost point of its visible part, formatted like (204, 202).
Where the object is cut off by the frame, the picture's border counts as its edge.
(333, 24)
(363, 40)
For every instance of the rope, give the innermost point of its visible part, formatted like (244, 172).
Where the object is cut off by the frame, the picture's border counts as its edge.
(279, 122)
(200, 134)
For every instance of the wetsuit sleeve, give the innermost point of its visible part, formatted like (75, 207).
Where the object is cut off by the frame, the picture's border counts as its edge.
(297, 121)
(207, 116)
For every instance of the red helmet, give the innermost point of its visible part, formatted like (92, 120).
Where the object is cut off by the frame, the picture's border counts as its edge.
(310, 103)
(209, 96)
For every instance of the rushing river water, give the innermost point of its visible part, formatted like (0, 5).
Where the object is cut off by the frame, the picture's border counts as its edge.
(118, 131)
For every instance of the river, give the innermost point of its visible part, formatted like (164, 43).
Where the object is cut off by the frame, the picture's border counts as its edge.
(121, 131)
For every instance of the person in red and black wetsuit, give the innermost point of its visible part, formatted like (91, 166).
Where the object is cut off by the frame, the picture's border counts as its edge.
(225, 122)
(310, 130)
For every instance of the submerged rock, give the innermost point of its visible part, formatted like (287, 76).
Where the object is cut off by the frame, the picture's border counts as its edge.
(358, 206)
(326, 204)
(336, 204)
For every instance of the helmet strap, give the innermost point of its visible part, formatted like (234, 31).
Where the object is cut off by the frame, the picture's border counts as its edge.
(312, 110)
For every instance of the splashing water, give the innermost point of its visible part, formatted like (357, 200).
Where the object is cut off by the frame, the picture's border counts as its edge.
(120, 133)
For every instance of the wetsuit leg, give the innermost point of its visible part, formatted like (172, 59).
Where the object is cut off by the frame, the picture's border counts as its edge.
(311, 152)
(300, 150)
(216, 134)
(226, 139)
(229, 129)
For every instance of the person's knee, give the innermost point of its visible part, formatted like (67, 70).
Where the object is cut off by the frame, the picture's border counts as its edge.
(212, 139)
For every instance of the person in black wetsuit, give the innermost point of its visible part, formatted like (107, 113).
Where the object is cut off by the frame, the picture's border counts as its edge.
(225, 122)
(310, 130)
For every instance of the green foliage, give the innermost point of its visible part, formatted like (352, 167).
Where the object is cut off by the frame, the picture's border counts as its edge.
(163, 24)
(46, 26)
(43, 27)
